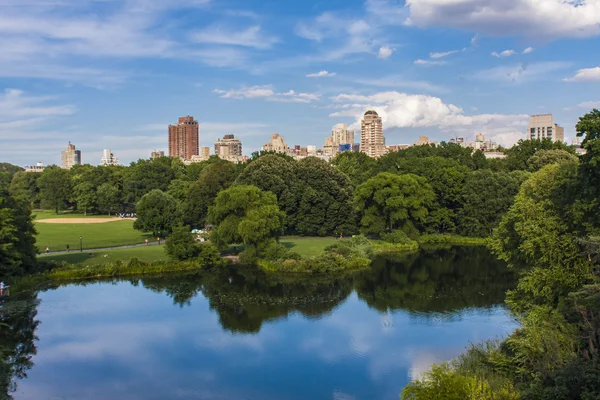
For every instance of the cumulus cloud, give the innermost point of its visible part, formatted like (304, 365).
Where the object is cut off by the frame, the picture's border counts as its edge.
(585, 75)
(266, 92)
(528, 50)
(505, 53)
(385, 52)
(401, 110)
(321, 74)
(547, 19)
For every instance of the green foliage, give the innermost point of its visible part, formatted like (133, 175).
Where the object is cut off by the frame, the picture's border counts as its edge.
(201, 194)
(24, 185)
(181, 245)
(520, 153)
(547, 157)
(397, 237)
(55, 188)
(17, 235)
(157, 212)
(357, 166)
(245, 214)
(387, 201)
(108, 198)
(486, 197)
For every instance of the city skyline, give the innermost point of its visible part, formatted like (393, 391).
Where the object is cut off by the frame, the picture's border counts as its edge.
(310, 64)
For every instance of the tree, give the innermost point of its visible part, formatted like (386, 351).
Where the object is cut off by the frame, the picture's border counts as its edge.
(146, 175)
(10, 168)
(157, 212)
(108, 198)
(277, 175)
(85, 196)
(245, 214)
(546, 157)
(325, 203)
(487, 196)
(178, 188)
(356, 165)
(17, 235)
(519, 154)
(202, 193)
(55, 188)
(181, 245)
(388, 201)
(24, 185)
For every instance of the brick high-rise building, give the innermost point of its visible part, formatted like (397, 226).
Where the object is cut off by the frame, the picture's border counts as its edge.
(372, 142)
(70, 157)
(184, 139)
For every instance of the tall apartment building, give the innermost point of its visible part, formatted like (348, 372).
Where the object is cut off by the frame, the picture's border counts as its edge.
(184, 139)
(372, 142)
(108, 158)
(228, 146)
(70, 157)
(340, 136)
(205, 152)
(542, 126)
(277, 144)
(157, 154)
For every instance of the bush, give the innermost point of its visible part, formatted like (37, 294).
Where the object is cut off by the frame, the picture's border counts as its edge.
(278, 252)
(208, 255)
(181, 245)
(396, 237)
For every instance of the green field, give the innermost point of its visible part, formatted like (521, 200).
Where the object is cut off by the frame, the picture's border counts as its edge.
(307, 246)
(143, 253)
(109, 234)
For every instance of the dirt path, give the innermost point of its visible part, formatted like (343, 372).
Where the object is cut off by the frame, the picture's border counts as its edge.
(78, 220)
(131, 246)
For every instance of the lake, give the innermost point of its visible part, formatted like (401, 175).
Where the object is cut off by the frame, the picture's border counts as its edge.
(241, 334)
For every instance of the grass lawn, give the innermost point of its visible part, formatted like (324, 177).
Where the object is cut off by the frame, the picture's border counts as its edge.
(109, 234)
(144, 254)
(49, 214)
(307, 246)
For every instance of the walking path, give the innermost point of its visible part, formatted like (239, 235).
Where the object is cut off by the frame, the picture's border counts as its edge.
(130, 246)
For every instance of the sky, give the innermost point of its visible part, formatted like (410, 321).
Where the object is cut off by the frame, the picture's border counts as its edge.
(115, 73)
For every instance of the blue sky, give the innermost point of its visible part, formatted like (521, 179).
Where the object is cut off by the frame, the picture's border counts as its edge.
(114, 73)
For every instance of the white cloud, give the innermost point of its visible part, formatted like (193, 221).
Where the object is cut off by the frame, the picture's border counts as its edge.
(521, 72)
(401, 110)
(585, 75)
(589, 105)
(249, 37)
(505, 53)
(429, 62)
(321, 74)
(528, 50)
(14, 103)
(385, 52)
(266, 92)
(442, 55)
(395, 81)
(545, 19)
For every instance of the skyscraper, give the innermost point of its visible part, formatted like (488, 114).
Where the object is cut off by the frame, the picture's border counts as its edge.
(228, 146)
(543, 127)
(108, 158)
(277, 144)
(184, 138)
(372, 142)
(342, 135)
(70, 157)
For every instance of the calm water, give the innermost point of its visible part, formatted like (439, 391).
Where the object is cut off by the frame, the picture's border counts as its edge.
(241, 335)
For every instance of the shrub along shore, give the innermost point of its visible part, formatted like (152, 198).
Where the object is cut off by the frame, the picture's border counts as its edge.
(345, 255)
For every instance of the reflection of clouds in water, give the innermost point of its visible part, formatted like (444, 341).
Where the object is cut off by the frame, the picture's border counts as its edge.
(337, 395)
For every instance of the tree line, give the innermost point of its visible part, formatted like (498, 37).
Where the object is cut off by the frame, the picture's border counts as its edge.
(552, 230)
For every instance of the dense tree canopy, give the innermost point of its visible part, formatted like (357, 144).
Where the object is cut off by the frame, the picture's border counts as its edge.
(157, 212)
(388, 201)
(245, 214)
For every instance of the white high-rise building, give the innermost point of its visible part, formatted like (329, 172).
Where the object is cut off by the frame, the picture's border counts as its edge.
(108, 158)
(543, 127)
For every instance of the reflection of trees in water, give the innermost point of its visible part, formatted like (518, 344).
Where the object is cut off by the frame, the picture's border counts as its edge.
(17, 336)
(442, 280)
(245, 297)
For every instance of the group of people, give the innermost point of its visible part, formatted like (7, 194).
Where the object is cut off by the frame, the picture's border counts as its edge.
(127, 215)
